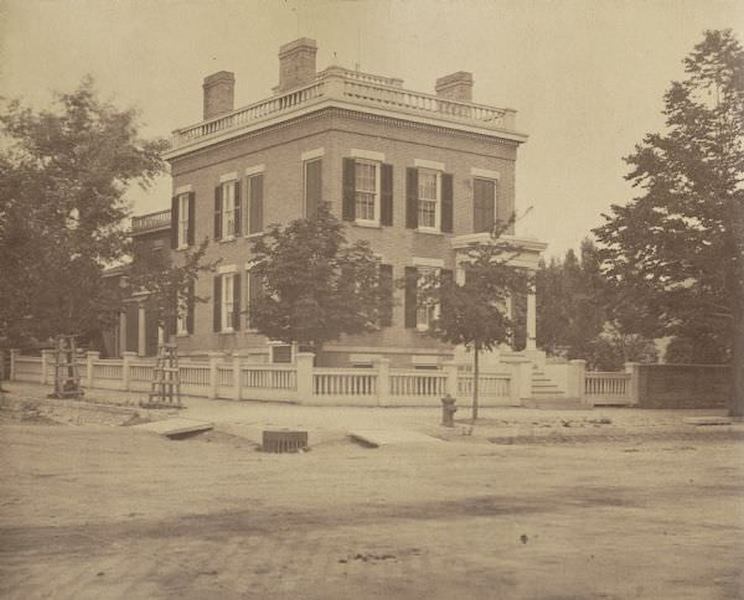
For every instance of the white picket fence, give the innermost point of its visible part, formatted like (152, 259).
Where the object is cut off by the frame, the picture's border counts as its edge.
(300, 382)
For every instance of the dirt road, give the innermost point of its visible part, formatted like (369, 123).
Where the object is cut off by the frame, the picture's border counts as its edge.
(94, 512)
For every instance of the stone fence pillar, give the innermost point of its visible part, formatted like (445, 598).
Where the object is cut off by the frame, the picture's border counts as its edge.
(126, 363)
(14, 354)
(383, 380)
(576, 379)
(214, 361)
(633, 391)
(47, 364)
(90, 356)
(305, 376)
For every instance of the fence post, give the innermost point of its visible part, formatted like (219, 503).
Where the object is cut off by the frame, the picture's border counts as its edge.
(577, 379)
(236, 361)
(305, 386)
(90, 356)
(126, 362)
(515, 385)
(634, 384)
(383, 381)
(214, 361)
(14, 352)
(45, 354)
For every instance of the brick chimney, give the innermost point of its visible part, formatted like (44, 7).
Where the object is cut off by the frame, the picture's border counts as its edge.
(219, 94)
(297, 64)
(457, 86)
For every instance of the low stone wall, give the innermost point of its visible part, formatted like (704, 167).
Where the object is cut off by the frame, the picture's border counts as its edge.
(683, 386)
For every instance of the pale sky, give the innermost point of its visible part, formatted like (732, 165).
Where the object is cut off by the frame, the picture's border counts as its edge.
(586, 76)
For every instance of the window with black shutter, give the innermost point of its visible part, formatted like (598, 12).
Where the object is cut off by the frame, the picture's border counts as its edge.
(484, 202)
(255, 199)
(313, 186)
(411, 296)
(386, 295)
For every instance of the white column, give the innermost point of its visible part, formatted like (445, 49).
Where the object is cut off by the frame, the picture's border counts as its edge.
(126, 360)
(531, 321)
(122, 332)
(90, 356)
(141, 331)
(237, 363)
(383, 380)
(304, 365)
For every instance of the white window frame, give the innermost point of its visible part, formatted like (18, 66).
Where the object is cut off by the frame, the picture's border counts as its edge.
(436, 228)
(228, 305)
(228, 233)
(183, 220)
(377, 166)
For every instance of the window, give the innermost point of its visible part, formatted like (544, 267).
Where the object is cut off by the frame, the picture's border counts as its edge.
(183, 220)
(281, 353)
(228, 208)
(228, 303)
(313, 185)
(484, 205)
(427, 311)
(366, 191)
(428, 199)
(227, 219)
(226, 300)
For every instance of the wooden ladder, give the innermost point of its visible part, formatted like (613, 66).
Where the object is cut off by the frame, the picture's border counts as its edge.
(66, 372)
(166, 380)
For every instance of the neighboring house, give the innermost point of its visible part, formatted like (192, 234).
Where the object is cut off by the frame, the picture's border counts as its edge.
(418, 175)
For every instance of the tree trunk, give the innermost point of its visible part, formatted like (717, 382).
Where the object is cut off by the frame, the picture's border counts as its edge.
(476, 377)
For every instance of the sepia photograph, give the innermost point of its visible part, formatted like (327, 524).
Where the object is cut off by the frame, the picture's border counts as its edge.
(372, 299)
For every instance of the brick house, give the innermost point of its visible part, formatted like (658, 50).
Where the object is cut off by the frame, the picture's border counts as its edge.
(418, 175)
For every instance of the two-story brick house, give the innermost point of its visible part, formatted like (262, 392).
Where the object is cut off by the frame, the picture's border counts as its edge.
(418, 175)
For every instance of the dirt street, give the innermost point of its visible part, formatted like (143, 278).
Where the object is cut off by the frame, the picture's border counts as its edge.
(110, 512)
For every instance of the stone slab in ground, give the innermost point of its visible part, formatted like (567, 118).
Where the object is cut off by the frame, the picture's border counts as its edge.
(707, 420)
(386, 437)
(175, 427)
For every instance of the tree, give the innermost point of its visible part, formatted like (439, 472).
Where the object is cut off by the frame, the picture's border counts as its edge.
(170, 286)
(475, 313)
(63, 177)
(316, 286)
(675, 253)
(571, 303)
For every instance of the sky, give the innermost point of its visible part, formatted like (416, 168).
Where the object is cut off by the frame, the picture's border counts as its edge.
(587, 77)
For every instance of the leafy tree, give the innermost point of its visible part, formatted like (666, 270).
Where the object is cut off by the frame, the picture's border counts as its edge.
(475, 312)
(316, 286)
(611, 349)
(571, 303)
(63, 176)
(675, 253)
(170, 286)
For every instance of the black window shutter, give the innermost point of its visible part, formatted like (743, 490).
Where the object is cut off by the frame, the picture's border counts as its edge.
(255, 289)
(218, 212)
(386, 194)
(238, 214)
(217, 304)
(255, 188)
(446, 203)
(411, 198)
(190, 305)
(236, 302)
(192, 219)
(386, 295)
(313, 186)
(171, 323)
(411, 296)
(348, 209)
(483, 205)
(174, 222)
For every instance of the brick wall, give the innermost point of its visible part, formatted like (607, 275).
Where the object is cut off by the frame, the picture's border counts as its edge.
(280, 149)
(683, 386)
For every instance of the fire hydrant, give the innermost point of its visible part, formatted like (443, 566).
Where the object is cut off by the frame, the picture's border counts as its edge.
(448, 411)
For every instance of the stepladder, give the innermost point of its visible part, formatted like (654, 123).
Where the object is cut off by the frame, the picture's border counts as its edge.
(66, 368)
(165, 391)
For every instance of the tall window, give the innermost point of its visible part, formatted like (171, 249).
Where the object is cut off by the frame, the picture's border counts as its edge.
(429, 193)
(183, 220)
(366, 190)
(228, 209)
(484, 205)
(254, 210)
(228, 301)
(425, 312)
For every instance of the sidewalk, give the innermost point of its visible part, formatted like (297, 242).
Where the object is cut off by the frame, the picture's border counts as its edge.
(500, 425)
